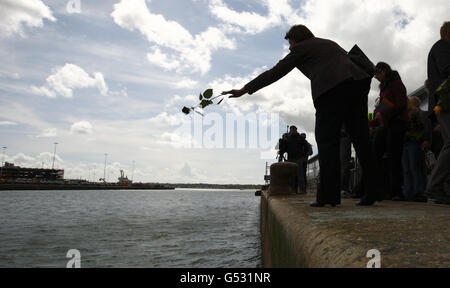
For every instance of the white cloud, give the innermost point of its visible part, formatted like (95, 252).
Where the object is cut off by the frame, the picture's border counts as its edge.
(280, 13)
(49, 132)
(22, 159)
(15, 14)
(7, 123)
(177, 102)
(42, 160)
(47, 158)
(182, 50)
(397, 32)
(187, 174)
(186, 84)
(290, 98)
(177, 140)
(162, 60)
(82, 127)
(21, 113)
(9, 74)
(67, 78)
(165, 119)
(44, 91)
(121, 93)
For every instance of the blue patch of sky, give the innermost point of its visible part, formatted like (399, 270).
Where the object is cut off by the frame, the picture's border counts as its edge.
(68, 41)
(253, 51)
(194, 16)
(403, 18)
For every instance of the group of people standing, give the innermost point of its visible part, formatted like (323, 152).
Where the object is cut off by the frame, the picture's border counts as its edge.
(298, 149)
(400, 133)
(340, 85)
(398, 139)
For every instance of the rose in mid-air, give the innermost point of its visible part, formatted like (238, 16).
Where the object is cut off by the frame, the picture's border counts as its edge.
(206, 99)
(186, 110)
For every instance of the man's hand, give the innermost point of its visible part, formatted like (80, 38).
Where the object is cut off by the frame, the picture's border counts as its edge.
(235, 93)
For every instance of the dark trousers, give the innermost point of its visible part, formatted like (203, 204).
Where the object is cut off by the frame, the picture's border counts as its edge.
(346, 156)
(305, 170)
(300, 174)
(388, 148)
(414, 184)
(344, 104)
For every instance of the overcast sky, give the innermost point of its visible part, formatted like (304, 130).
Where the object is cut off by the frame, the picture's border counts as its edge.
(112, 76)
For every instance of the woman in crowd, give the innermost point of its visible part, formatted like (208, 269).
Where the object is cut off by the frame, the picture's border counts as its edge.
(414, 184)
(390, 122)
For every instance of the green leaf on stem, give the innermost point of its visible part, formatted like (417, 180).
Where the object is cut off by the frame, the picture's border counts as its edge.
(205, 103)
(208, 93)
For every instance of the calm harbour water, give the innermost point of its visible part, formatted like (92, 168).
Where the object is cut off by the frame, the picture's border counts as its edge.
(130, 228)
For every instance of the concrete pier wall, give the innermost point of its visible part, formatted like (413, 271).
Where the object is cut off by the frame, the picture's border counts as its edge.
(290, 240)
(406, 234)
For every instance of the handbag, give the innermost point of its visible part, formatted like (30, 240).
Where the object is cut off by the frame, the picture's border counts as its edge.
(383, 105)
(361, 60)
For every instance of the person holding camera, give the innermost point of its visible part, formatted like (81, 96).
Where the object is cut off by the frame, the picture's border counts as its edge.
(296, 148)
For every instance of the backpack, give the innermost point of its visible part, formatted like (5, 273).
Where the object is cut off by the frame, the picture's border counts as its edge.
(283, 144)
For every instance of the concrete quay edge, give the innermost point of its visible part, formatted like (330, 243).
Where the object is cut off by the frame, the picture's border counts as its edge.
(406, 234)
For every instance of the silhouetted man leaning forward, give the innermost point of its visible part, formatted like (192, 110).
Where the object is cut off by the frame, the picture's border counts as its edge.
(340, 90)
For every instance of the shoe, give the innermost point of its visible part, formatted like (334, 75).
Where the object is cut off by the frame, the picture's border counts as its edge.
(436, 194)
(420, 198)
(365, 203)
(346, 194)
(316, 204)
(442, 201)
(398, 198)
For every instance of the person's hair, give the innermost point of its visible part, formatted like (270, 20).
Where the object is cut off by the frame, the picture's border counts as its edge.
(413, 106)
(390, 74)
(445, 29)
(382, 66)
(298, 33)
(293, 127)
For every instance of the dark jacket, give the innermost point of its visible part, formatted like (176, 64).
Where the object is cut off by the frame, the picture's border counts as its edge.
(415, 128)
(323, 61)
(438, 68)
(394, 93)
(296, 146)
(308, 150)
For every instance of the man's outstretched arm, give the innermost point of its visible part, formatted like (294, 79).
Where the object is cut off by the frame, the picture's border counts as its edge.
(235, 93)
(282, 68)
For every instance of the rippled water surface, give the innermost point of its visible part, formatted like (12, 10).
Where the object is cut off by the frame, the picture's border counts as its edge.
(139, 228)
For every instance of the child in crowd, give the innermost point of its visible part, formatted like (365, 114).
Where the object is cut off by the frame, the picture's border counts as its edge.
(414, 184)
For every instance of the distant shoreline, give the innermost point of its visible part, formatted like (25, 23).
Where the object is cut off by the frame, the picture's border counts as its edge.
(215, 186)
(111, 186)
